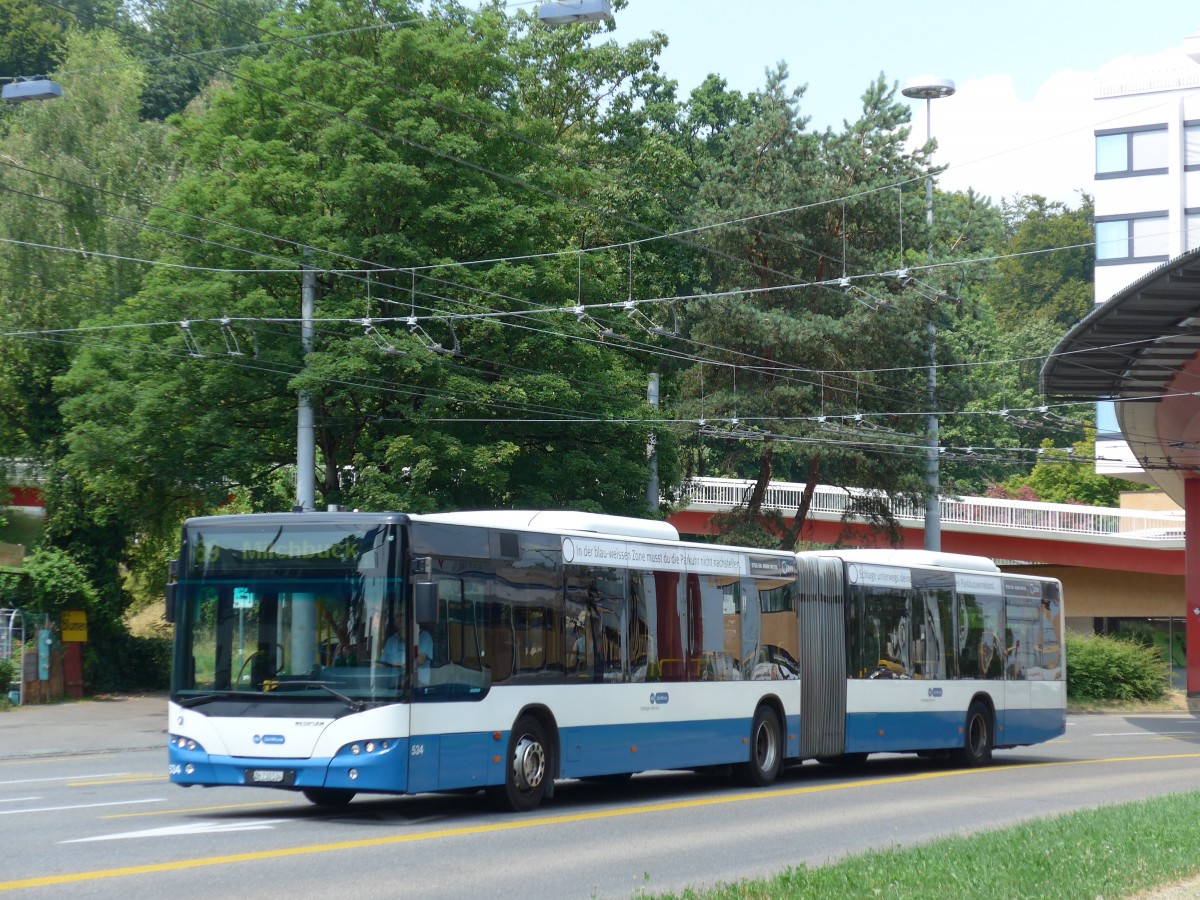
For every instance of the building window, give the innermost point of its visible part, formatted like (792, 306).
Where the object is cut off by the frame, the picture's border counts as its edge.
(1192, 221)
(1191, 145)
(1138, 151)
(1141, 237)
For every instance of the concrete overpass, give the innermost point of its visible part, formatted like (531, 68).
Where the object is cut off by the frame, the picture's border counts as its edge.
(1055, 533)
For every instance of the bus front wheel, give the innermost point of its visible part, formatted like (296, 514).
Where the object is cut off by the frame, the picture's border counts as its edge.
(766, 750)
(527, 772)
(977, 737)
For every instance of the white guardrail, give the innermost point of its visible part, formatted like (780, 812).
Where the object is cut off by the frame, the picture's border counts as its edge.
(963, 514)
(22, 471)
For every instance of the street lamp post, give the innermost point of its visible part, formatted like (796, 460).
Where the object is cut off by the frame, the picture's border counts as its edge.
(930, 88)
(569, 12)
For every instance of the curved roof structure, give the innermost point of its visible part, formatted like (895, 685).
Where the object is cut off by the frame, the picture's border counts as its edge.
(1141, 348)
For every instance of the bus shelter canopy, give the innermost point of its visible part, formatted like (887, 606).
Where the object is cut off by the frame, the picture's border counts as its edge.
(1141, 349)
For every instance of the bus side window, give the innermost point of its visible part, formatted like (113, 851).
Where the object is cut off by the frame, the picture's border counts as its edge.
(639, 631)
(1049, 636)
(932, 651)
(1022, 620)
(981, 654)
(889, 617)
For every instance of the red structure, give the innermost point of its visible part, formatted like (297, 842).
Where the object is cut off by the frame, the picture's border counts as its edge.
(25, 496)
(1049, 548)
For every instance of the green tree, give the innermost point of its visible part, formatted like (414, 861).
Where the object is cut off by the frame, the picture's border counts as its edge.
(400, 147)
(75, 175)
(72, 172)
(32, 38)
(54, 582)
(1062, 476)
(1014, 314)
(798, 366)
(1046, 274)
(181, 37)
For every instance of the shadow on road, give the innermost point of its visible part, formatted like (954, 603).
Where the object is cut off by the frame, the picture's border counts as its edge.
(467, 808)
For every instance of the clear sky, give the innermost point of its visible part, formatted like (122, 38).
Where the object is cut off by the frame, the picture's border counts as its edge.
(1022, 119)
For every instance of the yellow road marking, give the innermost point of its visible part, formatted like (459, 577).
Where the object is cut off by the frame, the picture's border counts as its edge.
(592, 816)
(198, 809)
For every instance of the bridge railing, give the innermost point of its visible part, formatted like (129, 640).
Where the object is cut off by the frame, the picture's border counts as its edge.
(22, 471)
(829, 502)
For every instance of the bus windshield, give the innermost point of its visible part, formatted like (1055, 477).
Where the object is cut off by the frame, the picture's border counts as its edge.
(270, 610)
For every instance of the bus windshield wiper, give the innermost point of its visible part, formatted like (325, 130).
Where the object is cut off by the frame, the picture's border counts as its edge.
(356, 705)
(200, 699)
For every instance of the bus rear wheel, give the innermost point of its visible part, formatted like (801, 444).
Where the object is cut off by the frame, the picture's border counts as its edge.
(766, 750)
(977, 737)
(527, 773)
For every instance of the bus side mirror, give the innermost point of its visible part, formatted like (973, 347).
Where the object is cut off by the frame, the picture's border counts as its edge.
(425, 602)
(172, 579)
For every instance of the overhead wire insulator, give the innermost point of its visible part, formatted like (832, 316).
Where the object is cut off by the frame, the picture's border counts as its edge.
(377, 338)
(232, 347)
(189, 340)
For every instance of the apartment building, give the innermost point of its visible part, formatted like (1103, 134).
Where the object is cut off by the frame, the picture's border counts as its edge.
(1147, 191)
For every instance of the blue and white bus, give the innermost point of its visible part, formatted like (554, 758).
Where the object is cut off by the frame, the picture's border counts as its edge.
(344, 653)
(937, 653)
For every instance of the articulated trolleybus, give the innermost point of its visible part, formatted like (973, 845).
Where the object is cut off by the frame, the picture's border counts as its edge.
(344, 653)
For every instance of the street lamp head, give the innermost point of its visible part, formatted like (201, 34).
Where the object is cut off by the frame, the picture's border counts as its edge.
(928, 87)
(567, 12)
(39, 87)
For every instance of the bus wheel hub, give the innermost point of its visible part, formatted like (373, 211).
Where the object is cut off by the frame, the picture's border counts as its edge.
(529, 764)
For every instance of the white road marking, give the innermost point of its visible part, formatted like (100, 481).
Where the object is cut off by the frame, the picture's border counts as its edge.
(18, 799)
(191, 828)
(68, 778)
(14, 812)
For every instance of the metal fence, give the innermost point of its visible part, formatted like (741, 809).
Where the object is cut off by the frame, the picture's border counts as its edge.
(12, 648)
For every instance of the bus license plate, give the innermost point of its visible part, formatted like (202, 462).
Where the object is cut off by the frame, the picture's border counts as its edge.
(270, 776)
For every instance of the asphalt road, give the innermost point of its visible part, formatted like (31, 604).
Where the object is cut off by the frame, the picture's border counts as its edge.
(102, 821)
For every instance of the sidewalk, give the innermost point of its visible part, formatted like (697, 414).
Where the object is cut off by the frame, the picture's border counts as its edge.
(74, 727)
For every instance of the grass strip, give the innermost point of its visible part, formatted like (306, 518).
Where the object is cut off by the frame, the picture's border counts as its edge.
(1113, 851)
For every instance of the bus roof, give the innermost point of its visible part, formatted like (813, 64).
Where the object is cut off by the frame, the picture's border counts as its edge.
(927, 558)
(310, 517)
(557, 520)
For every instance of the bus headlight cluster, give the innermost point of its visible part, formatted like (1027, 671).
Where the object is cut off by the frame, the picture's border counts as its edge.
(368, 747)
(184, 743)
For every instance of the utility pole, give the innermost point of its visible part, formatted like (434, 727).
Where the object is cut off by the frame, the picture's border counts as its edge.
(652, 489)
(306, 449)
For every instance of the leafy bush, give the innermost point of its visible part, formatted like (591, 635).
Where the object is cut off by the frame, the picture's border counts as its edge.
(127, 663)
(55, 581)
(8, 674)
(1108, 668)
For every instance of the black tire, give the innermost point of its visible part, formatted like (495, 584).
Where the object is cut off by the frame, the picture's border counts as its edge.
(328, 797)
(766, 751)
(977, 737)
(527, 772)
(843, 759)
